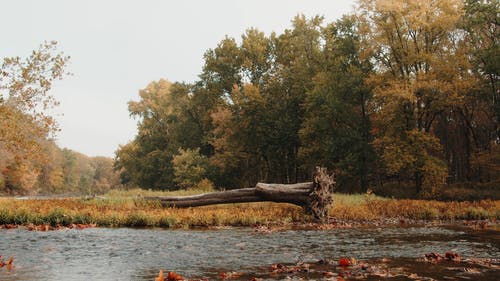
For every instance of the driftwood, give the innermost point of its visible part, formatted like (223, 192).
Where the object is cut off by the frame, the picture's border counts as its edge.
(315, 197)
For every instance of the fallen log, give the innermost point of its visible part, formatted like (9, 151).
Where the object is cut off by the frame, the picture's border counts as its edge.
(315, 197)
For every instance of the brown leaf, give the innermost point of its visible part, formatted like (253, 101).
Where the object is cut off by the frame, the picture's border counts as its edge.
(172, 276)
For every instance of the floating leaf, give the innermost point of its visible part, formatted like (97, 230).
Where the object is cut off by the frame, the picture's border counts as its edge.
(160, 276)
(10, 260)
(452, 256)
(172, 276)
(344, 262)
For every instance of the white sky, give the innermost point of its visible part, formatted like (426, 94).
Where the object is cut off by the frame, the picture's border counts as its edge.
(118, 47)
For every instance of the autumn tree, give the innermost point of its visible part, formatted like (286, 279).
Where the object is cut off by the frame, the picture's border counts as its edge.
(25, 86)
(418, 55)
(25, 97)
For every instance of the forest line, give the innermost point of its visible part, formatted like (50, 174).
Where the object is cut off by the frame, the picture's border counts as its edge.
(401, 95)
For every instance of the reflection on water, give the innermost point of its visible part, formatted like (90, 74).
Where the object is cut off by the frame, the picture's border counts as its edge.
(138, 254)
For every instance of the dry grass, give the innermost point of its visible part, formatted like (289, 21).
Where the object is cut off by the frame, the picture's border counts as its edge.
(126, 208)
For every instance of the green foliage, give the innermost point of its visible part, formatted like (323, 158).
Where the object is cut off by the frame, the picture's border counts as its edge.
(166, 123)
(336, 130)
(397, 95)
(189, 167)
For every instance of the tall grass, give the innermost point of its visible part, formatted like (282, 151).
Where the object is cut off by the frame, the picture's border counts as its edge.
(127, 209)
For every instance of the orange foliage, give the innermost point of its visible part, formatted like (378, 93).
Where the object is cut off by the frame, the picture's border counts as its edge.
(172, 276)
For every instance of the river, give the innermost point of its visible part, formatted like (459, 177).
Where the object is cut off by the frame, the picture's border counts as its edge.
(138, 254)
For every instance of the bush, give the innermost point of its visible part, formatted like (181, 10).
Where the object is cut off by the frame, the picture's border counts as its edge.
(189, 167)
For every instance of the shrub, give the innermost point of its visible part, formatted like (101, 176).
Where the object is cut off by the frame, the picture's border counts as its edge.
(189, 167)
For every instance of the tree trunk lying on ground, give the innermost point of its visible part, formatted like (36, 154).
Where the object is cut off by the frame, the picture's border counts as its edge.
(315, 197)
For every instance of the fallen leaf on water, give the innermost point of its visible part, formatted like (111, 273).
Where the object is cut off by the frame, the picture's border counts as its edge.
(452, 256)
(172, 276)
(433, 257)
(10, 260)
(160, 276)
(344, 262)
(7, 263)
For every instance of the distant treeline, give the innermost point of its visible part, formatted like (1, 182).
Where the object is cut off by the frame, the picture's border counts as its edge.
(62, 171)
(403, 92)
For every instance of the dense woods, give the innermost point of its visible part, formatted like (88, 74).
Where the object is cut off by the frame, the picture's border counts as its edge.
(401, 93)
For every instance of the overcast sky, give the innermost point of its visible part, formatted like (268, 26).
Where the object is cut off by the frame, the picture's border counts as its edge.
(118, 47)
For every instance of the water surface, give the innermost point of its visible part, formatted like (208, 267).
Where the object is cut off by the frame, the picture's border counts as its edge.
(138, 254)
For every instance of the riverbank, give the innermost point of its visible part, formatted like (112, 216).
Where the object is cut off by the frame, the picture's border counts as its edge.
(127, 209)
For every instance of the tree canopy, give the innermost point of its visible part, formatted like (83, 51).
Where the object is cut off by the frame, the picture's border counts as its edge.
(401, 91)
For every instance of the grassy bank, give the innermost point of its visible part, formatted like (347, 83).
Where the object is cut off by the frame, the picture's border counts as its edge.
(120, 209)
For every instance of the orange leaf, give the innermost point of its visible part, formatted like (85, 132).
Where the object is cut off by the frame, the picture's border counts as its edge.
(344, 262)
(160, 276)
(172, 276)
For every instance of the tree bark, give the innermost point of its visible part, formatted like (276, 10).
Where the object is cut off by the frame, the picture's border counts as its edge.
(315, 197)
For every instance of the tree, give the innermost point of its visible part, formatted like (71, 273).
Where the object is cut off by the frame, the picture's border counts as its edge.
(51, 178)
(167, 122)
(478, 118)
(297, 60)
(25, 86)
(482, 26)
(336, 129)
(418, 54)
(25, 92)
